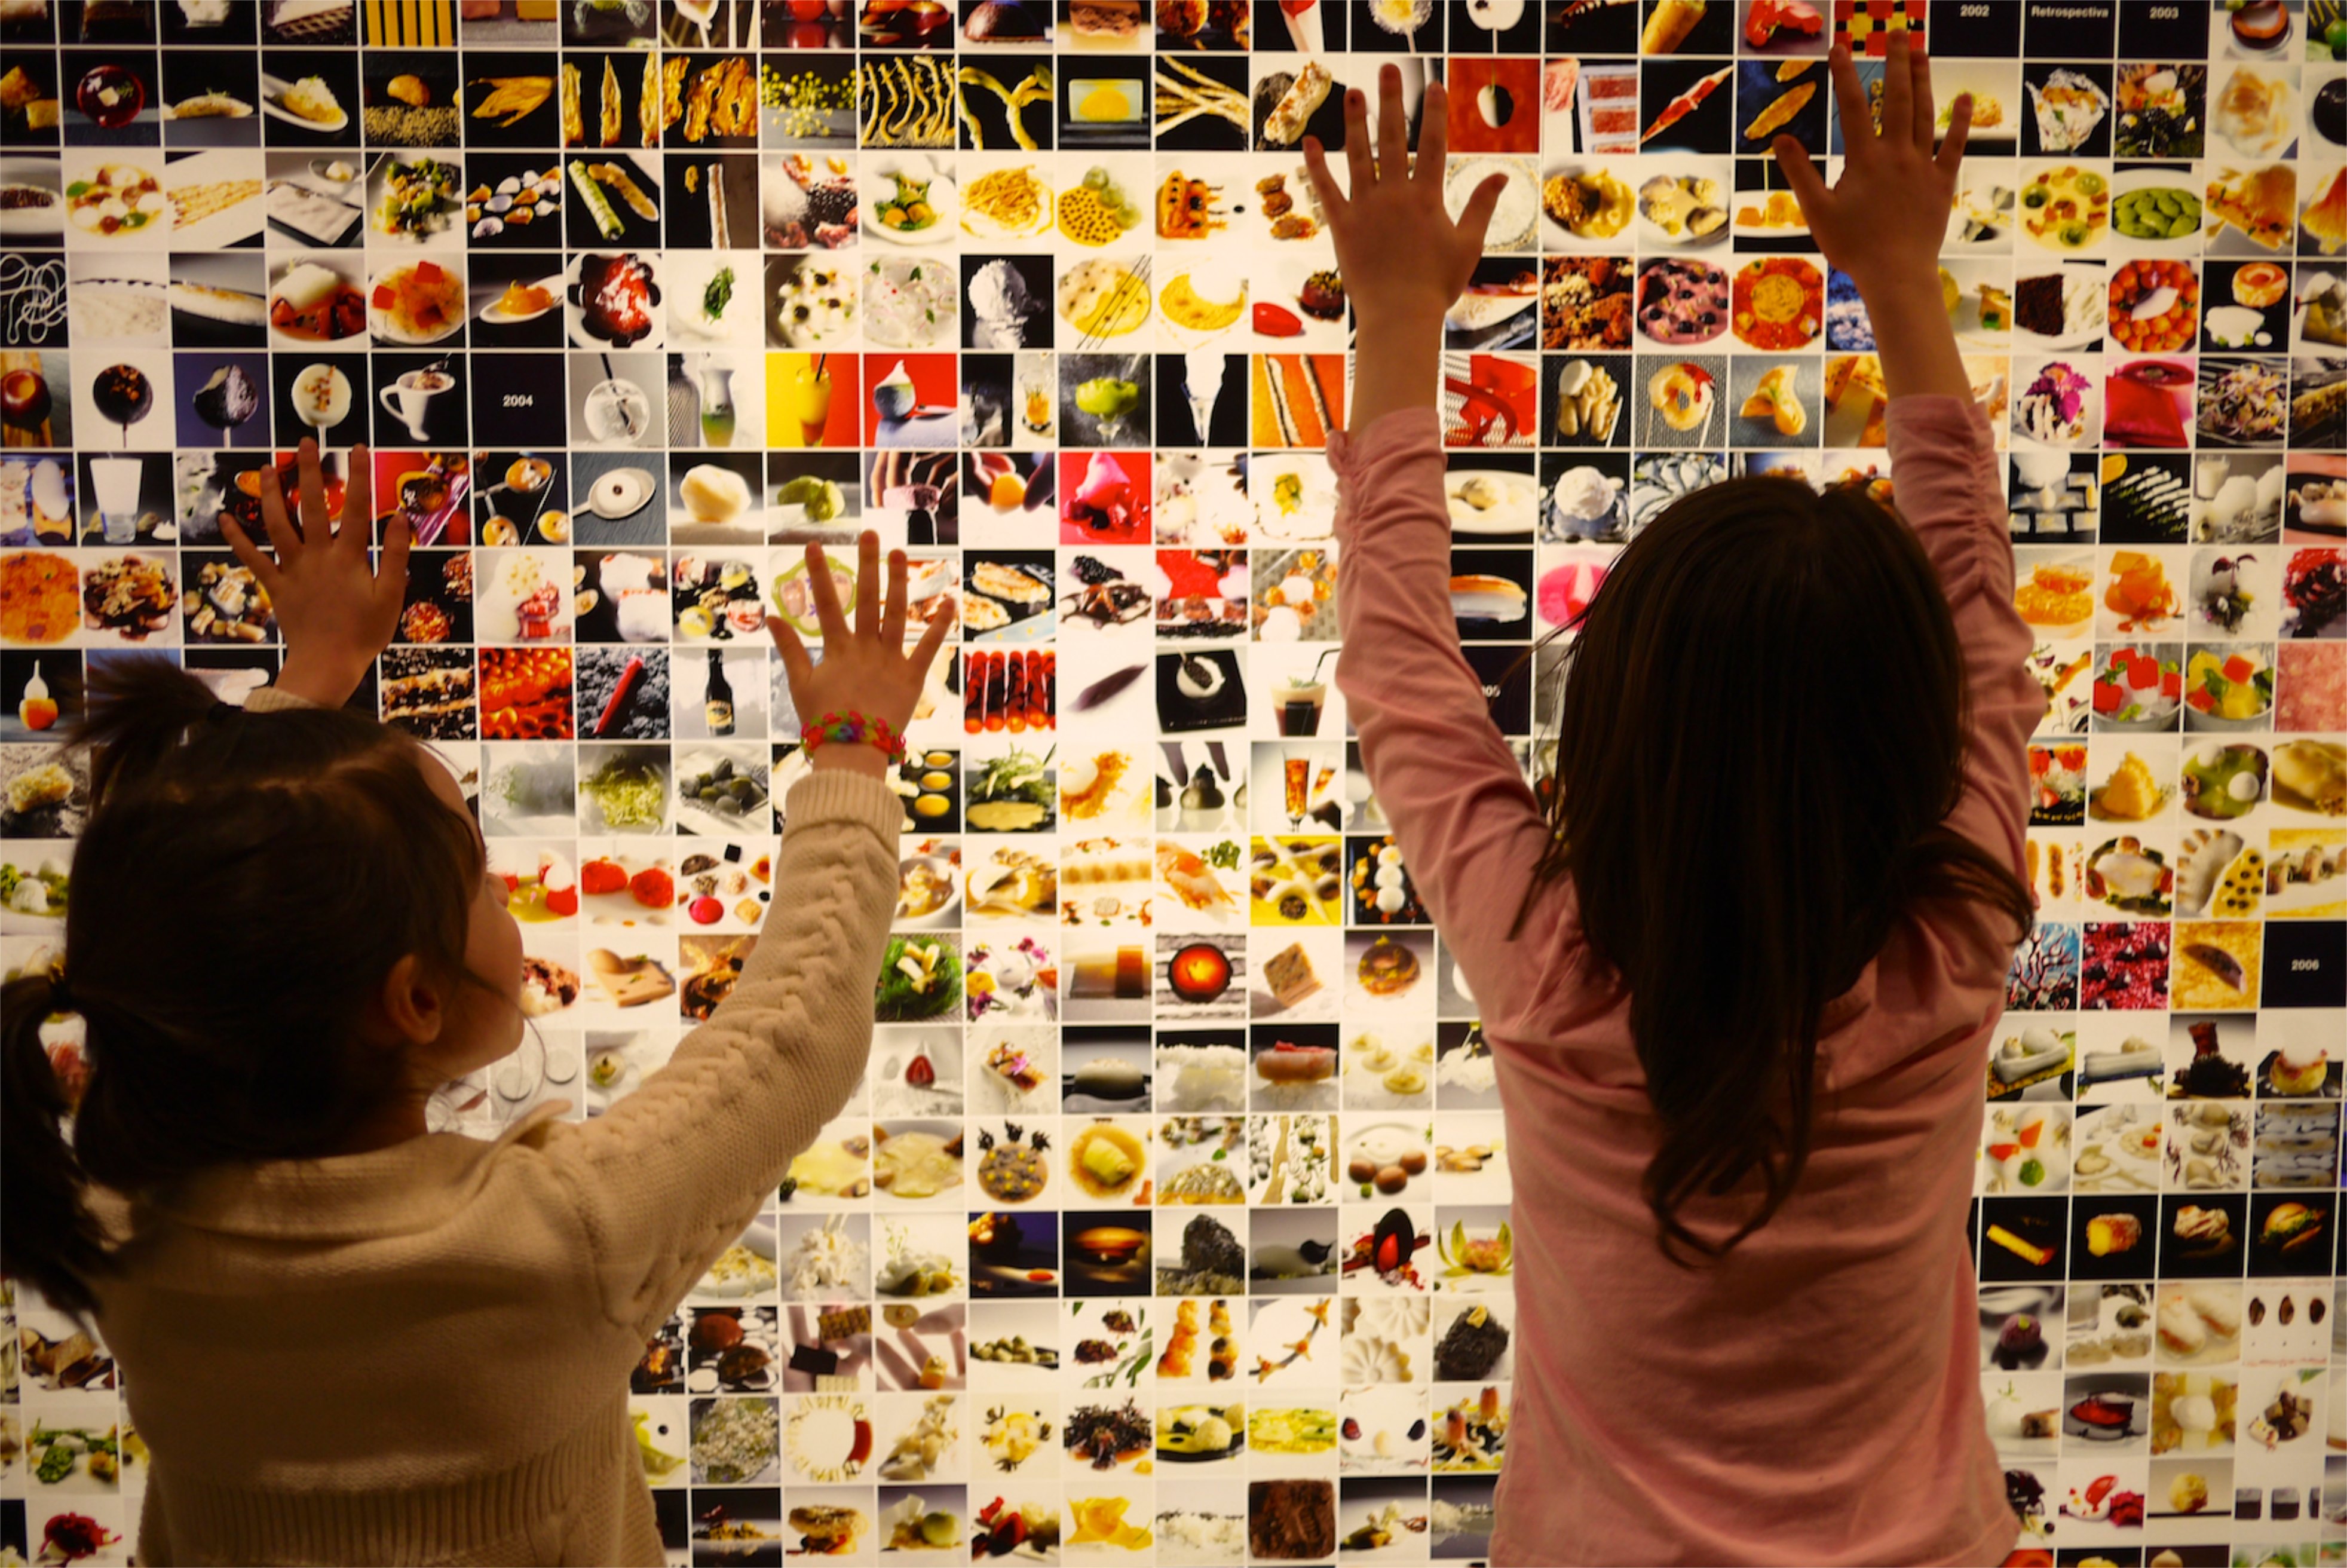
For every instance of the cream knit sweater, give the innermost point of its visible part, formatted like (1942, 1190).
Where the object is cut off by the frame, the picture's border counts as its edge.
(421, 1354)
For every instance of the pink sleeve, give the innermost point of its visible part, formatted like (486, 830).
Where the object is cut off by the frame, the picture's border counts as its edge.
(1467, 825)
(1945, 471)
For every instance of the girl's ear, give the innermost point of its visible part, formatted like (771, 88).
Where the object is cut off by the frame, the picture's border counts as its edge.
(412, 1007)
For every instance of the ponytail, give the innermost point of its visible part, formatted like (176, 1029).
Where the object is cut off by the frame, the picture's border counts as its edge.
(139, 715)
(310, 850)
(51, 1239)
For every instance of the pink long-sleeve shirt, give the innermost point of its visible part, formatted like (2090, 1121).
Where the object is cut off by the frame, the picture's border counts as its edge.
(1816, 1397)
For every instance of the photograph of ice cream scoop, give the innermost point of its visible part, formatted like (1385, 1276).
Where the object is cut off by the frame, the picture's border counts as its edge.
(1583, 498)
(1008, 303)
(1104, 498)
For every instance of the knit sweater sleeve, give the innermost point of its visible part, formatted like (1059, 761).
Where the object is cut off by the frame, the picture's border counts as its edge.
(669, 1178)
(269, 699)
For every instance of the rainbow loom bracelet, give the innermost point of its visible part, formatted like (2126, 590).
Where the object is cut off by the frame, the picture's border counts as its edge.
(854, 727)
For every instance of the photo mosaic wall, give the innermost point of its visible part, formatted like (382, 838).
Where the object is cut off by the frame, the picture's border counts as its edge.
(1171, 1222)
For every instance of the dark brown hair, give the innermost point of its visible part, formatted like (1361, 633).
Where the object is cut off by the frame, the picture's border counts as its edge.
(245, 882)
(1763, 730)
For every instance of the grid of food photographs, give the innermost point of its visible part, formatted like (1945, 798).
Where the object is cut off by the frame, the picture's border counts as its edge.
(1171, 1220)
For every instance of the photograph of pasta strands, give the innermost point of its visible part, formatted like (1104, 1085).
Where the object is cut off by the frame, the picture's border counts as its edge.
(1296, 399)
(905, 102)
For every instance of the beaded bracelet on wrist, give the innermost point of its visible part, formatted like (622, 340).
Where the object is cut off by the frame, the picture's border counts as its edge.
(853, 728)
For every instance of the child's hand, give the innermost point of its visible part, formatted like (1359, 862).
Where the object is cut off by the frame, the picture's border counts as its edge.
(335, 612)
(865, 671)
(1402, 259)
(1882, 222)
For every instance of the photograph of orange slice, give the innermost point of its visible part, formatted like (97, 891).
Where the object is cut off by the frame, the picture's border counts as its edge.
(1779, 303)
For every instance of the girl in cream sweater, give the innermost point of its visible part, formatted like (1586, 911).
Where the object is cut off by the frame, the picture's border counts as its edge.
(344, 1338)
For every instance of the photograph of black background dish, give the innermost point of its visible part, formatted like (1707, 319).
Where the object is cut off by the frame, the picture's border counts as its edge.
(691, 214)
(1201, 132)
(722, 1518)
(614, 499)
(1326, 122)
(987, 26)
(1200, 690)
(2290, 1233)
(1201, 977)
(520, 488)
(58, 812)
(1764, 97)
(1710, 125)
(1106, 1252)
(1226, 418)
(410, 98)
(222, 399)
(222, 91)
(1505, 315)
(2041, 1227)
(1105, 1070)
(338, 70)
(1104, 101)
(1033, 274)
(2317, 404)
(2148, 502)
(59, 669)
(2108, 1236)
(1014, 1252)
(1013, 601)
(2327, 1089)
(2202, 1235)
(2271, 328)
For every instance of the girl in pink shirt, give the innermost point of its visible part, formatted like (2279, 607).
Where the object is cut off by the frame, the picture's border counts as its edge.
(1738, 974)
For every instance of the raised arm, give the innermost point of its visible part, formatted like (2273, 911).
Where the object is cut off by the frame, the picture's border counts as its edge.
(1469, 828)
(1883, 223)
(667, 1179)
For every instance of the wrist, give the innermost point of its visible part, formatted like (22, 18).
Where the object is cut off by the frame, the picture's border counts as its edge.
(1911, 293)
(327, 682)
(1402, 323)
(848, 758)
